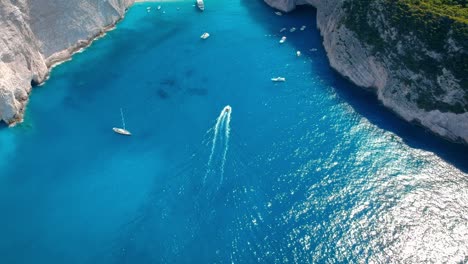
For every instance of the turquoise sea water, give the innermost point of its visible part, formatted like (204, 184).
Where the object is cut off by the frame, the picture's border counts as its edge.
(311, 170)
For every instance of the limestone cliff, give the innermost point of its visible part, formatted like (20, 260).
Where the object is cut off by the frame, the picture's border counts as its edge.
(37, 33)
(417, 79)
(375, 46)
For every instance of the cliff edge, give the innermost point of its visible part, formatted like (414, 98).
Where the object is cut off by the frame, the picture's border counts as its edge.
(415, 59)
(35, 34)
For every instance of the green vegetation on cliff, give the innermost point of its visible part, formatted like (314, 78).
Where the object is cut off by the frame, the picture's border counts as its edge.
(440, 25)
(455, 9)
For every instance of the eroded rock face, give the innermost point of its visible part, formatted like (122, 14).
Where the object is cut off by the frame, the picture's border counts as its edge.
(37, 33)
(20, 59)
(397, 85)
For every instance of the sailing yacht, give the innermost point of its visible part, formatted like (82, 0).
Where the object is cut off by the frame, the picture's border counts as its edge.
(122, 131)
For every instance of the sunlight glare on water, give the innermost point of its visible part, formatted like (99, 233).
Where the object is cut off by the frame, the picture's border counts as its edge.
(311, 170)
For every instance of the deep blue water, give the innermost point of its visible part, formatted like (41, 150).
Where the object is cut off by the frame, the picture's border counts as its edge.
(311, 170)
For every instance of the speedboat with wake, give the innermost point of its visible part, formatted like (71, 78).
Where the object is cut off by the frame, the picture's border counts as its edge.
(201, 5)
(227, 109)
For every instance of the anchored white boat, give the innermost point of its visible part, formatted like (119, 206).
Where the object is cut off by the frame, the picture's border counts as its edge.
(283, 29)
(278, 13)
(201, 5)
(298, 53)
(303, 27)
(278, 79)
(282, 40)
(122, 131)
(205, 35)
(292, 29)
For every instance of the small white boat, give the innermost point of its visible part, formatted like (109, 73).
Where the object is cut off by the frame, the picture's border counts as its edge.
(205, 35)
(282, 40)
(298, 53)
(201, 5)
(122, 131)
(313, 49)
(227, 109)
(303, 27)
(279, 13)
(283, 29)
(159, 7)
(278, 79)
(292, 29)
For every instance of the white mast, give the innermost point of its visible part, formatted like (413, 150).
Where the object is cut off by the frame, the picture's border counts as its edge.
(123, 120)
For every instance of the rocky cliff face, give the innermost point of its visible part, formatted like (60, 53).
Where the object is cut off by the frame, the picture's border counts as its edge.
(37, 33)
(420, 82)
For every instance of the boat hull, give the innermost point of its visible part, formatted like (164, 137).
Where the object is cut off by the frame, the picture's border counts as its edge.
(121, 131)
(201, 5)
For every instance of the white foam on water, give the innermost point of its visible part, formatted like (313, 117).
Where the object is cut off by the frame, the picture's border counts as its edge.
(220, 139)
(227, 131)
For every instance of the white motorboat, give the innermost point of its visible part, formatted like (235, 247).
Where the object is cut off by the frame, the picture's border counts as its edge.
(292, 29)
(278, 79)
(282, 40)
(205, 35)
(279, 13)
(159, 7)
(298, 53)
(122, 131)
(283, 29)
(200, 5)
(303, 27)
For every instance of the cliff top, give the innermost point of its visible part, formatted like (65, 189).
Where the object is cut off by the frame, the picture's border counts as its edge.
(455, 9)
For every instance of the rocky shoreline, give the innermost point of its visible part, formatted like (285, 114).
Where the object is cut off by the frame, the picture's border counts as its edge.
(386, 75)
(41, 34)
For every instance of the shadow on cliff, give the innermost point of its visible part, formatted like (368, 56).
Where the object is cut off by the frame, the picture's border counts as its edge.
(363, 101)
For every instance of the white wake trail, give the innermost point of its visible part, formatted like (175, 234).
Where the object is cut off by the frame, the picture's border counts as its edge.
(219, 121)
(221, 137)
(226, 144)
